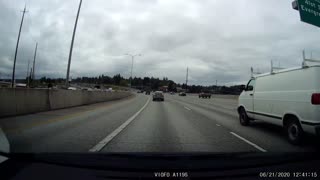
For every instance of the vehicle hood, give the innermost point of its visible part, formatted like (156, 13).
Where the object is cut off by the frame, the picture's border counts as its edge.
(138, 165)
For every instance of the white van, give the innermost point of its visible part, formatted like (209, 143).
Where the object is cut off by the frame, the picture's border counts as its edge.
(288, 98)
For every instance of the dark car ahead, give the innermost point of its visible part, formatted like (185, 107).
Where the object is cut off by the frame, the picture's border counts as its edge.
(158, 96)
(182, 94)
(205, 95)
(147, 92)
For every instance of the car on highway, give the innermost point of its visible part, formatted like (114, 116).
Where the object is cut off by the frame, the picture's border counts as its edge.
(289, 98)
(147, 92)
(72, 88)
(158, 96)
(205, 95)
(172, 93)
(182, 94)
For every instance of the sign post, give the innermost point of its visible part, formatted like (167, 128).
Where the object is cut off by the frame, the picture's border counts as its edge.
(309, 11)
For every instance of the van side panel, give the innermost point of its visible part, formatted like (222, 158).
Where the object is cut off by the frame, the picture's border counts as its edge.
(281, 93)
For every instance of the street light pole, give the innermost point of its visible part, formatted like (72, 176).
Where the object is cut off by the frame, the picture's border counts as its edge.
(28, 73)
(34, 61)
(16, 52)
(132, 59)
(71, 47)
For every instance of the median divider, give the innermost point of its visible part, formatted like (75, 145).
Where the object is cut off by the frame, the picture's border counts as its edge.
(24, 101)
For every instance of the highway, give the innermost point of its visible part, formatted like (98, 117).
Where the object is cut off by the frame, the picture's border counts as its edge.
(137, 124)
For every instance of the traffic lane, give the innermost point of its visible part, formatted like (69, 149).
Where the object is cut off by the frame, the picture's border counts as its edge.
(226, 103)
(268, 136)
(75, 132)
(220, 109)
(170, 127)
(310, 142)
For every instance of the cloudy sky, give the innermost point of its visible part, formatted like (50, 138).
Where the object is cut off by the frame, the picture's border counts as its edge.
(217, 39)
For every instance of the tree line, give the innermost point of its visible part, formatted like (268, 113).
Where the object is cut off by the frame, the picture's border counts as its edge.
(146, 83)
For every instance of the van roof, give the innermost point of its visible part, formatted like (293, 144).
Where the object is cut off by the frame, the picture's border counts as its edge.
(284, 71)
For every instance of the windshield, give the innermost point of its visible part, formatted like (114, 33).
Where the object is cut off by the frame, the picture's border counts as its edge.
(166, 76)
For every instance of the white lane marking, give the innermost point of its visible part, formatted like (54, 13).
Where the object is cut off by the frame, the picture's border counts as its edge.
(247, 141)
(187, 108)
(107, 139)
(218, 124)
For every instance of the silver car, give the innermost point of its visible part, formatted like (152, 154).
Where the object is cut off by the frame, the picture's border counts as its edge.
(158, 96)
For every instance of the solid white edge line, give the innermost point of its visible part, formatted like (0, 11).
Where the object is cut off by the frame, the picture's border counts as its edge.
(187, 108)
(247, 141)
(107, 139)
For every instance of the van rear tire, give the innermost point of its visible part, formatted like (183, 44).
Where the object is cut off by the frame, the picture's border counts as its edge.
(294, 132)
(243, 117)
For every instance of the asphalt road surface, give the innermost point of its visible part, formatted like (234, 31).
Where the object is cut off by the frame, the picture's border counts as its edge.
(137, 124)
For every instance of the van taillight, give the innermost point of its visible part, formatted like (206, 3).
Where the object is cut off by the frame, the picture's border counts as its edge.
(315, 98)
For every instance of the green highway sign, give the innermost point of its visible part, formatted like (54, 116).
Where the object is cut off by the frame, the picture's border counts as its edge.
(309, 11)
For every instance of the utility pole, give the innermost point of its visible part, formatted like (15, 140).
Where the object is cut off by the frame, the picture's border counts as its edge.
(17, 46)
(34, 61)
(71, 47)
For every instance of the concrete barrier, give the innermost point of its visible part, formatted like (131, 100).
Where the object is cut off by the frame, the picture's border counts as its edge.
(24, 101)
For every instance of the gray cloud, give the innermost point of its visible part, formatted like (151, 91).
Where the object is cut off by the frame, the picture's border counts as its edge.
(217, 40)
